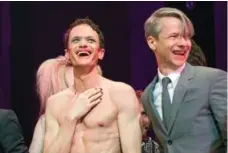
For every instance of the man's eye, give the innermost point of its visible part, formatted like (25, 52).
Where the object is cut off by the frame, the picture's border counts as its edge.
(173, 36)
(75, 40)
(91, 40)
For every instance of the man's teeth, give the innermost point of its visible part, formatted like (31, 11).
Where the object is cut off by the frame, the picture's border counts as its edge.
(178, 52)
(83, 54)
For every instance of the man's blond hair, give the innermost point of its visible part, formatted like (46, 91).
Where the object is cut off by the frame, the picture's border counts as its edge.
(152, 26)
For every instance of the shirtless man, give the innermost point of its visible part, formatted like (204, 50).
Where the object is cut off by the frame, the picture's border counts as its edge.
(95, 115)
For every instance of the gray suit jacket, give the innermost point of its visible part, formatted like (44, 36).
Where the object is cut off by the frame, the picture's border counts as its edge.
(197, 123)
(11, 138)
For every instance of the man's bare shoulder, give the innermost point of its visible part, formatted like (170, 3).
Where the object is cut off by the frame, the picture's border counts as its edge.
(61, 94)
(117, 86)
(59, 97)
(124, 97)
(121, 91)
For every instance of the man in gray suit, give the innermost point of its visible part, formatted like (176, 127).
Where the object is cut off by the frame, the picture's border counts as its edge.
(186, 104)
(11, 138)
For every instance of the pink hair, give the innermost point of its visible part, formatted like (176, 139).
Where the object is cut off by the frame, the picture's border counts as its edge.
(50, 79)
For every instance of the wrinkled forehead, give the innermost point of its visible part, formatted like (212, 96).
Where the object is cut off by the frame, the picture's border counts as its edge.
(83, 30)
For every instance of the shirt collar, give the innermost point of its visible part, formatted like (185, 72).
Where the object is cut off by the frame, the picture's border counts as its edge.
(174, 76)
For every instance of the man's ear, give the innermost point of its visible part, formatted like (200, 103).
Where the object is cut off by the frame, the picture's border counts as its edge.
(101, 54)
(152, 43)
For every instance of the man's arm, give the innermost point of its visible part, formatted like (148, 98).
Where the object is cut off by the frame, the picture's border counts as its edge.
(57, 138)
(218, 102)
(11, 138)
(37, 143)
(128, 119)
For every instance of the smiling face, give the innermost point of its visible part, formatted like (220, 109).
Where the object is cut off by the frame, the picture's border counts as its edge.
(84, 46)
(172, 46)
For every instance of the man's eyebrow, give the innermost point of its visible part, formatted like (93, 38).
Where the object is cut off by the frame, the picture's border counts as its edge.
(174, 33)
(90, 37)
(75, 37)
(79, 37)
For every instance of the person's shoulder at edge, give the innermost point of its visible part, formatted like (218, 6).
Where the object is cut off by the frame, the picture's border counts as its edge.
(208, 71)
(6, 112)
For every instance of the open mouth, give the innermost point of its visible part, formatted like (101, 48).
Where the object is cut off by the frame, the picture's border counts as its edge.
(83, 53)
(180, 53)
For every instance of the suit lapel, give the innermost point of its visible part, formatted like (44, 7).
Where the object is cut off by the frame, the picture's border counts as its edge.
(152, 111)
(180, 92)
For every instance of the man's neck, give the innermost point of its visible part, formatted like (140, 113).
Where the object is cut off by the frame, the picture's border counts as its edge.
(85, 79)
(165, 70)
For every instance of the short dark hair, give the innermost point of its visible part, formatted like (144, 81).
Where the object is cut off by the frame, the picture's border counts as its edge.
(86, 21)
(196, 56)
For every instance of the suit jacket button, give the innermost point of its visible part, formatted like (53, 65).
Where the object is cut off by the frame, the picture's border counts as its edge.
(170, 142)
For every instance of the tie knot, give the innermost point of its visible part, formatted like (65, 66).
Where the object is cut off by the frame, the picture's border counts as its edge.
(165, 81)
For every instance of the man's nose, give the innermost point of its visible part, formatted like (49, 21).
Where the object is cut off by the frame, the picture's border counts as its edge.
(183, 42)
(83, 43)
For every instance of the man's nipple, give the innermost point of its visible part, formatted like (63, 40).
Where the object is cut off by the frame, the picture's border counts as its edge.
(100, 124)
